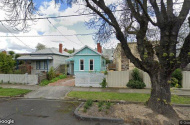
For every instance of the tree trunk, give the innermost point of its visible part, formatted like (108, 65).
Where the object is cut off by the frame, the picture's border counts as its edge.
(160, 99)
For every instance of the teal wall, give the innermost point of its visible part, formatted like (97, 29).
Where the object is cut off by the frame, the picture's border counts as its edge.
(86, 54)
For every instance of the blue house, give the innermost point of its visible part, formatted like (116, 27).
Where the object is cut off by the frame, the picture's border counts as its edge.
(86, 60)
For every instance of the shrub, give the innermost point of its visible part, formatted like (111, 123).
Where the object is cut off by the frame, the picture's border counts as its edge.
(17, 72)
(177, 74)
(174, 81)
(44, 82)
(105, 72)
(100, 104)
(62, 76)
(108, 105)
(89, 102)
(136, 84)
(136, 75)
(51, 74)
(103, 84)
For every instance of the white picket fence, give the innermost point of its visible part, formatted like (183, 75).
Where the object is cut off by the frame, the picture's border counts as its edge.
(19, 78)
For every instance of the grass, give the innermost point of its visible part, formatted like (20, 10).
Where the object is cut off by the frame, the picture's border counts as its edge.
(46, 82)
(13, 92)
(132, 97)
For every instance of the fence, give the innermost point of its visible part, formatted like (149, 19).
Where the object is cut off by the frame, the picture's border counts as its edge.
(120, 79)
(89, 79)
(19, 78)
(186, 79)
(117, 78)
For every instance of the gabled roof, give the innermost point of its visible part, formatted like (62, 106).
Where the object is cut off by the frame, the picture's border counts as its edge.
(84, 48)
(48, 51)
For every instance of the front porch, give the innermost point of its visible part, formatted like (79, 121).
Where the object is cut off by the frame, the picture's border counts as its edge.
(37, 64)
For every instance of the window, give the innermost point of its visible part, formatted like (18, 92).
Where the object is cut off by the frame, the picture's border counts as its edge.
(45, 64)
(81, 64)
(37, 64)
(41, 64)
(91, 64)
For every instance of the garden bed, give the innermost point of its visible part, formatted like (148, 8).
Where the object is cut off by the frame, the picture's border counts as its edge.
(132, 113)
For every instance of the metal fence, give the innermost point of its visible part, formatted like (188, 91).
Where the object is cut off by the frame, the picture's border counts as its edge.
(19, 78)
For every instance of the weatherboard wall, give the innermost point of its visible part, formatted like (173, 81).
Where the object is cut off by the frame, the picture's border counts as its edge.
(87, 54)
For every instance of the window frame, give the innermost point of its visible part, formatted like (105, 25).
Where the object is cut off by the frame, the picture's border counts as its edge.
(80, 65)
(92, 65)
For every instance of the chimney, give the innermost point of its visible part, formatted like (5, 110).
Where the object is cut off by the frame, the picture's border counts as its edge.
(4, 52)
(61, 48)
(99, 48)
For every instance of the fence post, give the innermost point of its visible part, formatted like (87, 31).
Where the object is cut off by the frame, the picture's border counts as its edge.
(26, 78)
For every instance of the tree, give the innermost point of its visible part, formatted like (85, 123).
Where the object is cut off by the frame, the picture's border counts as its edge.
(6, 63)
(40, 46)
(11, 53)
(136, 20)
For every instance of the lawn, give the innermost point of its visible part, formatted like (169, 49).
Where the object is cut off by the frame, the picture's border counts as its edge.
(133, 97)
(12, 92)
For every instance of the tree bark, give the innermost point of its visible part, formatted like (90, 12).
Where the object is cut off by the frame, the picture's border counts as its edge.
(160, 99)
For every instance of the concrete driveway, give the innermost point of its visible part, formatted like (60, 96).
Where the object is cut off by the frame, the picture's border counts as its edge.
(49, 92)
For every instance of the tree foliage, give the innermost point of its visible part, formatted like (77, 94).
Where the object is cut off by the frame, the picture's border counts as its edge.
(40, 46)
(6, 63)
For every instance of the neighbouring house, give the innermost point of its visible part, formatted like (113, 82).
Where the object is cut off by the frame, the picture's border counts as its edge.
(121, 62)
(43, 60)
(108, 54)
(87, 60)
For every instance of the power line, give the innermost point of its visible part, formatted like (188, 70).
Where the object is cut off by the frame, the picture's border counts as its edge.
(14, 35)
(74, 15)
(61, 32)
(39, 18)
(85, 34)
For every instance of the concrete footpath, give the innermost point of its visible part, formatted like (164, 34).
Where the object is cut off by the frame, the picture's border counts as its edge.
(59, 92)
(174, 91)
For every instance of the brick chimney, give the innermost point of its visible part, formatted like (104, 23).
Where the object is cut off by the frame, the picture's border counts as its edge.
(99, 48)
(61, 48)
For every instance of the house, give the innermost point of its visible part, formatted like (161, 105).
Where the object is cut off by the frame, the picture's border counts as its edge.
(120, 60)
(43, 60)
(108, 54)
(87, 60)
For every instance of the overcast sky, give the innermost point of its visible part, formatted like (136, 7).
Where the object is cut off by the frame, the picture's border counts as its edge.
(67, 26)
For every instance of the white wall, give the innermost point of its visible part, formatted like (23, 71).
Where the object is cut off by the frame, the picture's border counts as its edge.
(19, 78)
(58, 60)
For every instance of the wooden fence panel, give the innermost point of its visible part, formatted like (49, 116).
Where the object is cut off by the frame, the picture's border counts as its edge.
(117, 78)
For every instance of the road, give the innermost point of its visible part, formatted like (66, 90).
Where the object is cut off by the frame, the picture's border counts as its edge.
(42, 112)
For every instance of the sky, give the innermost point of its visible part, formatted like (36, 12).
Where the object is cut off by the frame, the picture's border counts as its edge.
(59, 26)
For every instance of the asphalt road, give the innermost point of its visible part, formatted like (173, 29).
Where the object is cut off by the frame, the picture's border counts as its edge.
(42, 112)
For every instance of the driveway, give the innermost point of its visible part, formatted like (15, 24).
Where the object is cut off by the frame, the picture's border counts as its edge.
(42, 112)
(49, 92)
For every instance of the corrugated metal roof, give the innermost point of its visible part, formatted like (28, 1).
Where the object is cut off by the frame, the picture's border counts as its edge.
(50, 51)
(35, 58)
